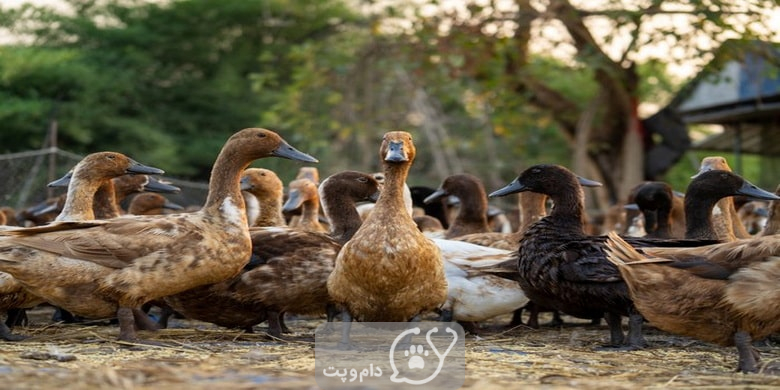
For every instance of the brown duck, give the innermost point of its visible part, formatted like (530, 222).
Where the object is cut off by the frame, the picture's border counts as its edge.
(112, 267)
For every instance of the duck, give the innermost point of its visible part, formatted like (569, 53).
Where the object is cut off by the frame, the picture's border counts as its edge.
(472, 215)
(303, 195)
(388, 271)
(724, 294)
(107, 199)
(150, 203)
(532, 207)
(9, 216)
(91, 172)
(107, 268)
(289, 267)
(654, 199)
(474, 296)
(561, 267)
(728, 225)
(268, 190)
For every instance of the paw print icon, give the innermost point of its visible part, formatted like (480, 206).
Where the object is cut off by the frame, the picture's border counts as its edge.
(415, 356)
(416, 361)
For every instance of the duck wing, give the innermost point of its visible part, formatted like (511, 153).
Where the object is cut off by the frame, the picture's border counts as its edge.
(583, 261)
(113, 244)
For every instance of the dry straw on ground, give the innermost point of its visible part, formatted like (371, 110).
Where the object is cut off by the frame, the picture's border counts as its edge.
(201, 356)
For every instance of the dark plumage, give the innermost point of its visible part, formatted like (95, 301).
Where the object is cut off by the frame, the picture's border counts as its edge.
(472, 214)
(563, 268)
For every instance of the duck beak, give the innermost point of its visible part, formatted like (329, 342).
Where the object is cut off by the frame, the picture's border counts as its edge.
(395, 152)
(751, 190)
(588, 183)
(374, 197)
(293, 201)
(511, 188)
(61, 182)
(172, 206)
(284, 150)
(140, 169)
(48, 209)
(156, 185)
(245, 184)
(436, 195)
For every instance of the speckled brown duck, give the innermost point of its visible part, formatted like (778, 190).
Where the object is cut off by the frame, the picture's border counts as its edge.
(112, 267)
(725, 294)
(289, 267)
(89, 175)
(389, 271)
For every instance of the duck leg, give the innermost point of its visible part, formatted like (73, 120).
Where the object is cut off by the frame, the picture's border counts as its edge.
(126, 324)
(346, 318)
(615, 329)
(635, 338)
(5, 334)
(283, 325)
(747, 354)
(16, 317)
(274, 324)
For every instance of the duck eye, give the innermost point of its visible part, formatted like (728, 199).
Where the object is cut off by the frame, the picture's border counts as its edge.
(536, 170)
(261, 135)
(111, 157)
(362, 179)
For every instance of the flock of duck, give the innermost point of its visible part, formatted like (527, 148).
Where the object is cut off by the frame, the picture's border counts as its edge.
(367, 247)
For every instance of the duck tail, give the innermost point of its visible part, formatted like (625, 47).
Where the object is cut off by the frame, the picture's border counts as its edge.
(621, 253)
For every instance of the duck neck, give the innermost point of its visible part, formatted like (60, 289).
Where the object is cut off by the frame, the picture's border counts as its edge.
(568, 210)
(79, 200)
(392, 196)
(698, 216)
(473, 212)
(343, 216)
(270, 212)
(105, 204)
(224, 197)
(310, 211)
(663, 227)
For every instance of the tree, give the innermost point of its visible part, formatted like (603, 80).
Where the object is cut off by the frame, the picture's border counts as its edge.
(165, 82)
(491, 43)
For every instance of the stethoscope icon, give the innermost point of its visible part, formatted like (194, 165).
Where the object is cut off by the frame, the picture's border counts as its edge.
(416, 330)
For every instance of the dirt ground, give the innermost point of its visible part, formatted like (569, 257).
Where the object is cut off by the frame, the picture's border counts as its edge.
(201, 356)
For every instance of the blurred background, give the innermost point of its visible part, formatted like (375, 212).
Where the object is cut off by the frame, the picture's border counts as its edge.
(619, 91)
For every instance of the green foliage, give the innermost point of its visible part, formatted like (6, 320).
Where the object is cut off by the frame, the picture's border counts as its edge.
(166, 83)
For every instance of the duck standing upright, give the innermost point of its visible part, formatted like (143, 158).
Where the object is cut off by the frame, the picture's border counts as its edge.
(389, 271)
(563, 268)
(105, 268)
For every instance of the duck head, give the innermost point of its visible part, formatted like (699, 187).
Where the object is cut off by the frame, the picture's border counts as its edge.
(260, 180)
(357, 185)
(258, 143)
(105, 164)
(543, 178)
(720, 183)
(301, 190)
(397, 147)
(712, 163)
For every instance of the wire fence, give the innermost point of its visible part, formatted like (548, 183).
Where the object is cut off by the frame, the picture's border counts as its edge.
(24, 177)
